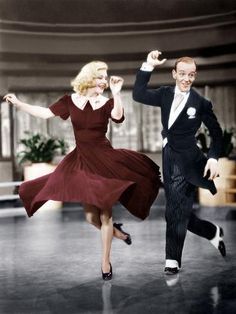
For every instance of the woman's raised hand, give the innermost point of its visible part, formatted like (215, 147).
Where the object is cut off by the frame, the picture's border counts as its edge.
(153, 58)
(115, 84)
(36, 111)
(11, 99)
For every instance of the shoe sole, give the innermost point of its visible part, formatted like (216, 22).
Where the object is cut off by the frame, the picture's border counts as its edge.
(171, 272)
(221, 232)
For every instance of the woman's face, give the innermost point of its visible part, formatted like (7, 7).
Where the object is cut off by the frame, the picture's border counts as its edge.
(100, 82)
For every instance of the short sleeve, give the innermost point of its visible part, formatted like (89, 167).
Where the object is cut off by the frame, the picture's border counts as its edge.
(109, 107)
(60, 108)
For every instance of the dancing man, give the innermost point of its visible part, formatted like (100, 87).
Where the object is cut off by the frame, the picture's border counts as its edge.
(185, 167)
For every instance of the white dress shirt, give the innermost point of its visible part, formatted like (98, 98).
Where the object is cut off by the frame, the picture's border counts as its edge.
(174, 114)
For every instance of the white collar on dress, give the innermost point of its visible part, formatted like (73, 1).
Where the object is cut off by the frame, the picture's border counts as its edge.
(96, 102)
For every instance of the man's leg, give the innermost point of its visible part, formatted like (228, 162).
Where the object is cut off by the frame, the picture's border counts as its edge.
(201, 227)
(180, 196)
(209, 231)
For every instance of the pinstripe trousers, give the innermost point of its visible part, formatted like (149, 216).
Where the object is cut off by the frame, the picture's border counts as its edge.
(179, 209)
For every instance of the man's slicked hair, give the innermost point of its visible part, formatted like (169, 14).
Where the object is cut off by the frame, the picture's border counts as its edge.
(185, 60)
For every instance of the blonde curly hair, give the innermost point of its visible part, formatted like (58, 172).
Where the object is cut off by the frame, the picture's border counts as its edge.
(85, 78)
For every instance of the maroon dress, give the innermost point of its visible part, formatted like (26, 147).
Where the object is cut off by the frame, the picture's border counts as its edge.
(94, 172)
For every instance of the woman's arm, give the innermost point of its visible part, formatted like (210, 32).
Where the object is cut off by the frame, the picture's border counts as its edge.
(36, 111)
(116, 83)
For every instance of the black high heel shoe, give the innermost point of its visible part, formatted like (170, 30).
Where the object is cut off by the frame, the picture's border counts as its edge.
(128, 240)
(107, 276)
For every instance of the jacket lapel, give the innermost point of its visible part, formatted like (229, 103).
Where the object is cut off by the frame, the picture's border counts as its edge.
(168, 102)
(188, 103)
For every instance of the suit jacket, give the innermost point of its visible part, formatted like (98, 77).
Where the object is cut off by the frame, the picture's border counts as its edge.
(181, 135)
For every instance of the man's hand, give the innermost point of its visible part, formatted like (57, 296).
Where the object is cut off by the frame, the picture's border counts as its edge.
(212, 166)
(153, 58)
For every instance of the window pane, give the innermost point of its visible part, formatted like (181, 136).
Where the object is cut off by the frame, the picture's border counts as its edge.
(125, 135)
(5, 130)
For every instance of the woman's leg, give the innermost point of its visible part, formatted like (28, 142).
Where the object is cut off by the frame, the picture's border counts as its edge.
(107, 235)
(92, 214)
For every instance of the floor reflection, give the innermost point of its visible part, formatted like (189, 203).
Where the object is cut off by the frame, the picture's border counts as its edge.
(51, 264)
(189, 295)
(106, 298)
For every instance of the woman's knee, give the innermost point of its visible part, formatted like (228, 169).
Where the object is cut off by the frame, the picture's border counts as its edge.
(105, 217)
(91, 215)
(90, 218)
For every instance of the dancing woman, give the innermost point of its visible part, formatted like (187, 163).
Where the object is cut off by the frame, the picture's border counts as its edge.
(94, 173)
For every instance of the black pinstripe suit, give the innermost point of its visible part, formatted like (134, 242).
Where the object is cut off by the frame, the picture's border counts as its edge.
(183, 162)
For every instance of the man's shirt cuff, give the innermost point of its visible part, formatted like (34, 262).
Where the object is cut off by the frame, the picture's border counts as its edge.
(213, 159)
(146, 67)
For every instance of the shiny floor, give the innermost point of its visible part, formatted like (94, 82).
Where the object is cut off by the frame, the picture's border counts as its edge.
(50, 263)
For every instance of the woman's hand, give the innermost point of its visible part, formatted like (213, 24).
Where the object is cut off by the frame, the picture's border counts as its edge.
(11, 99)
(36, 111)
(153, 58)
(116, 83)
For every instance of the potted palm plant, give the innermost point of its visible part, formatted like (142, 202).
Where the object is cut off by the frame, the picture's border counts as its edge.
(37, 157)
(38, 153)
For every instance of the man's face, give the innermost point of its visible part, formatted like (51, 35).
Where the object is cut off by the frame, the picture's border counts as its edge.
(184, 75)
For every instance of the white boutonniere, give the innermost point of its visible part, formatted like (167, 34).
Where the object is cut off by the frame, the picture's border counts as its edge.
(191, 113)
